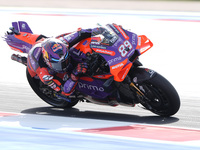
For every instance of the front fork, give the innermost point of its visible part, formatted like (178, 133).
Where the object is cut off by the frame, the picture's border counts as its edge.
(141, 97)
(131, 84)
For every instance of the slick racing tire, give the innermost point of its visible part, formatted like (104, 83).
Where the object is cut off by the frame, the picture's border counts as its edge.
(163, 98)
(46, 93)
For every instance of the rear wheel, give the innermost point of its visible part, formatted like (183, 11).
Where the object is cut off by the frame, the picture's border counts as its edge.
(47, 94)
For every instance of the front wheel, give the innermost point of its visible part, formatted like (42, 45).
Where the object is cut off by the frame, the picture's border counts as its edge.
(161, 97)
(47, 94)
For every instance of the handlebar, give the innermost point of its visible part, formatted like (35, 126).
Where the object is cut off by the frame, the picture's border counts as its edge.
(93, 62)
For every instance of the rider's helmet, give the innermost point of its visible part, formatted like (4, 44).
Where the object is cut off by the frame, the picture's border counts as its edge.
(55, 54)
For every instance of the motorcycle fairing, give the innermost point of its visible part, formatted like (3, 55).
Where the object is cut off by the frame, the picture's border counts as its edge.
(117, 55)
(144, 44)
(17, 44)
(142, 74)
(23, 41)
(78, 51)
(22, 26)
(104, 76)
(93, 87)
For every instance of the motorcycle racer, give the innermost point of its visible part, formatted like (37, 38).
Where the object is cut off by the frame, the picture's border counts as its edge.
(113, 76)
(50, 60)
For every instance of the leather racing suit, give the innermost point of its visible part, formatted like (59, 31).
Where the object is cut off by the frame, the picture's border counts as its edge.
(63, 82)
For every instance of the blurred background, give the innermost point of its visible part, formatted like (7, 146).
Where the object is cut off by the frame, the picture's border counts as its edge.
(177, 5)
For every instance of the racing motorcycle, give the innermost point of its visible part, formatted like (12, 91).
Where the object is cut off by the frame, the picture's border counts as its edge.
(114, 67)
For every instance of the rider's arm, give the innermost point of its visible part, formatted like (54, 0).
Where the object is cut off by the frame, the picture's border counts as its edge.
(37, 67)
(72, 81)
(48, 79)
(81, 34)
(76, 37)
(69, 85)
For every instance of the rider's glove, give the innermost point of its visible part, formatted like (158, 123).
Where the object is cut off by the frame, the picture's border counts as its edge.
(81, 68)
(70, 84)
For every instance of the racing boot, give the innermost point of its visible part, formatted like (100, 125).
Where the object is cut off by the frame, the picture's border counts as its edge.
(114, 99)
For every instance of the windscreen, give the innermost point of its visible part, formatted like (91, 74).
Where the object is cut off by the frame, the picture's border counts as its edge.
(108, 36)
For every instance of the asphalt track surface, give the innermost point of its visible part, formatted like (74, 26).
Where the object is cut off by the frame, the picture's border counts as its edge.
(14, 100)
(17, 97)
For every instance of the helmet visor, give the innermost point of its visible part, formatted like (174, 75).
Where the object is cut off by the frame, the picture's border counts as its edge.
(61, 64)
